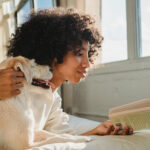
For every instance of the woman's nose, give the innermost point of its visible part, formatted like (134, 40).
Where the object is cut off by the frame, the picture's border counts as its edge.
(86, 63)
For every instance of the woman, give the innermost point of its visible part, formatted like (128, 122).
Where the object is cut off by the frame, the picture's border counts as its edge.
(65, 40)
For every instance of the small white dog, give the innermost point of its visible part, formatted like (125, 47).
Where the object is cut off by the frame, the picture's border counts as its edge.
(19, 115)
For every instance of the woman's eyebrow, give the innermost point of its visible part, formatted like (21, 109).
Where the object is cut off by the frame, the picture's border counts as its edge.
(82, 48)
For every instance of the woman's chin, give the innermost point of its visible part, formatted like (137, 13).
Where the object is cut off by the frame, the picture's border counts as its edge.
(75, 81)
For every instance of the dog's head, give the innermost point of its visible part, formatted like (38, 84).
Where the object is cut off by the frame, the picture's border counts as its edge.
(28, 67)
(40, 71)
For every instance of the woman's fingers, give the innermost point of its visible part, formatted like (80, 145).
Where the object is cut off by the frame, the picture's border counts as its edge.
(15, 92)
(17, 86)
(11, 82)
(131, 131)
(4, 71)
(10, 76)
(10, 93)
(109, 129)
(115, 131)
(16, 80)
(11, 72)
(19, 74)
(126, 130)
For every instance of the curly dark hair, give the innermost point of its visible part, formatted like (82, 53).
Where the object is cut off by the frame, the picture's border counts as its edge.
(51, 33)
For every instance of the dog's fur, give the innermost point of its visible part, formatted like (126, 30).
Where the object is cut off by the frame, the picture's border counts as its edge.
(17, 121)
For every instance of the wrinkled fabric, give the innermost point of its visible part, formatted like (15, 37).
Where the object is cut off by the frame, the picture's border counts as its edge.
(57, 121)
(34, 117)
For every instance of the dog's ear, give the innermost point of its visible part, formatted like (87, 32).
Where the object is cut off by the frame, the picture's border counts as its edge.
(23, 64)
(19, 63)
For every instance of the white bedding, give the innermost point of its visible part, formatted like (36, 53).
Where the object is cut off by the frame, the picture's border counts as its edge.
(138, 141)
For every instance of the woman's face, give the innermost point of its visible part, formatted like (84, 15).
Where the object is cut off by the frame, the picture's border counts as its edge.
(74, 67)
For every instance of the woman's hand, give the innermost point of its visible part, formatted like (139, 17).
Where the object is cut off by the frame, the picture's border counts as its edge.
(10, 83)
(107, 128)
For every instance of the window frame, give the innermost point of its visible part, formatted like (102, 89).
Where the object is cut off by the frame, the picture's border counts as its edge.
(32, 6)
(134, 61)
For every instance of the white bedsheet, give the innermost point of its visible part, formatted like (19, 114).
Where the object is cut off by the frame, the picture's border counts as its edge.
(138, 141)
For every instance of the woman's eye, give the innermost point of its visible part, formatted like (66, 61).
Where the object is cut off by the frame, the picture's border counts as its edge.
(79, 54)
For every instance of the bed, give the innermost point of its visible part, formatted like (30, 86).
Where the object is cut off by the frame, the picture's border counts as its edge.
(138, 141)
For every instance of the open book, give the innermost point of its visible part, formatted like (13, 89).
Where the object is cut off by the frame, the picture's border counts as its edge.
(135, 115)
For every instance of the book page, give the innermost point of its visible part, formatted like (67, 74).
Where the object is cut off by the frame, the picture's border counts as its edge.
(138, 120)
(135, 115)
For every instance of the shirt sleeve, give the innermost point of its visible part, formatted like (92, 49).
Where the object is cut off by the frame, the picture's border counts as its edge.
(57, 121)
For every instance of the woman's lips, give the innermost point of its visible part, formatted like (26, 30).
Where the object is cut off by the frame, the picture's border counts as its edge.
(83, 74)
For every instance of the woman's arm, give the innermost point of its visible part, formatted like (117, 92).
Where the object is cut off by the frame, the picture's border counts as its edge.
(10, 83)
(107, 128)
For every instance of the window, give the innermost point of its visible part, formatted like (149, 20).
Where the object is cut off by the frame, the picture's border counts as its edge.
(114, 30)
(23, 13)
(145, 27)
(38, 4)
(125, 27)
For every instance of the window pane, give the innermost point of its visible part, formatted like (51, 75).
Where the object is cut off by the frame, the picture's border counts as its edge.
(114, 30)
(145, 27)
(23, 13)
(43, 4)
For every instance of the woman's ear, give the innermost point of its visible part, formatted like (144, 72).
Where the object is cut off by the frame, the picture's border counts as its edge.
(54, 63)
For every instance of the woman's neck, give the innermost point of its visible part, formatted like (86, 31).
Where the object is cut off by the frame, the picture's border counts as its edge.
(56, 80)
